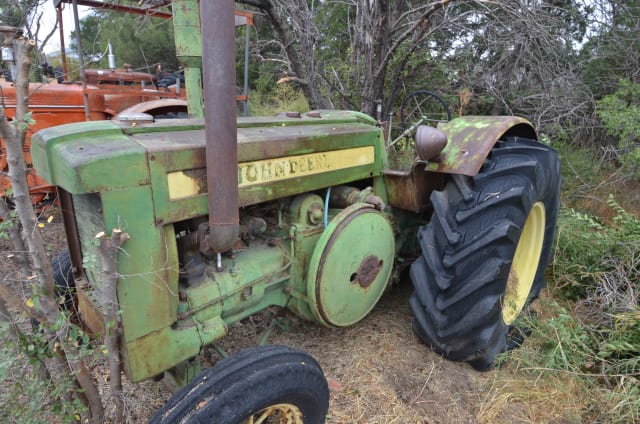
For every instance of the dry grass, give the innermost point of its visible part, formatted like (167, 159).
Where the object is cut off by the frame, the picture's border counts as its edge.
(512, 397)
(378, 371)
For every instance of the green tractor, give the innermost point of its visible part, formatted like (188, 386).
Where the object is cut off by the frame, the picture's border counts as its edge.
(227, 216)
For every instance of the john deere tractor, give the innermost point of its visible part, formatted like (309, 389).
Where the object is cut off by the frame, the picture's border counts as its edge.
(227, 216)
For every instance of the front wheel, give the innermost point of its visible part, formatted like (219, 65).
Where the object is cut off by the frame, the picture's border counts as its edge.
(485, 251)
(268, 384)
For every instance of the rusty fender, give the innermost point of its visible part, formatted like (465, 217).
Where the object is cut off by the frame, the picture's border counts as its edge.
(471, 138)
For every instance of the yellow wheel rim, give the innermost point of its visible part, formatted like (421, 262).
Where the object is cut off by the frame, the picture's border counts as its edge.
(282, 413)
(525, 264)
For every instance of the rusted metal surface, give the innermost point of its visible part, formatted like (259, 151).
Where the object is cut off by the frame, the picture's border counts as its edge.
(50, 105)
(149, 11)
(90, 314)
(159, 106)
(219, 81)
(368, 271)
(117, 76)
(108, 92)
(471, 138)
(343, 196)
(71, 231)
(410, 190)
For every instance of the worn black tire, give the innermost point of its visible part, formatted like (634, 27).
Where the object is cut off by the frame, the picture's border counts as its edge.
(241, 385)
(468, 248)
(65, 287)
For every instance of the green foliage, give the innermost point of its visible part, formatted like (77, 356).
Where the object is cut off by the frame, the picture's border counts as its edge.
(4, 229)
(284, 98)
(610, 53)
(26, 122)
(16, 12)
(621, 350)
(27, 398)
(620, 113)
(138, 41)
(589, 251)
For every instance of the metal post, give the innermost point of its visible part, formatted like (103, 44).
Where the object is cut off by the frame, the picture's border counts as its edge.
(83, 76)
(219, 81)
(246, 69)
(63, 53)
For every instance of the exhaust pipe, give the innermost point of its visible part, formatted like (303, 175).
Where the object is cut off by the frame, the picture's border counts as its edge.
(219, 81)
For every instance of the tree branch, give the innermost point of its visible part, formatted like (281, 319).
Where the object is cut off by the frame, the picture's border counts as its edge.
(108, 249)
(434, 7)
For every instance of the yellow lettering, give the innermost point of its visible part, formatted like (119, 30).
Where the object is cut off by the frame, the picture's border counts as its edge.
(240, 179)
(266, 171)
(252, 173)
(259, 172)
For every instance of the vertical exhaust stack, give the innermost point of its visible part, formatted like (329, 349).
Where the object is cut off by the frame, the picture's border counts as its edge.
(219, 81)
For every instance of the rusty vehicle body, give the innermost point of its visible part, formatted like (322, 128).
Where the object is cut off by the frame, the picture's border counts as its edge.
(102, 94)
(108, 93)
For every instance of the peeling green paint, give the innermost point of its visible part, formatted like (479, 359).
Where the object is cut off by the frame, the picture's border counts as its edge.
(470, 139)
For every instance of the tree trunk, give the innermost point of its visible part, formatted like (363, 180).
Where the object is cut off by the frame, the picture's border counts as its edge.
(294, 27)
(5, 316)
(42, 305)
(382, 27)
(109, 248)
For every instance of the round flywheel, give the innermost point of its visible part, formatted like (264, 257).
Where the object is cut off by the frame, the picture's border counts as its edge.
(350, 266)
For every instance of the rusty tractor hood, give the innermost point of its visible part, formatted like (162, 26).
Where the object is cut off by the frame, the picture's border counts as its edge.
(277, 157)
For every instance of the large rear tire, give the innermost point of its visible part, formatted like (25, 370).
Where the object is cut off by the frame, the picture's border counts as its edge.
(485, 251)
(273, 383)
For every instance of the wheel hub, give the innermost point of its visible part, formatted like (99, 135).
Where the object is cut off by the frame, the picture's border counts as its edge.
(524, 265)
(282, 413)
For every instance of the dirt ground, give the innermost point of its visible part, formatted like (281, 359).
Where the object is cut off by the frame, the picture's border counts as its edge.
(378, 371)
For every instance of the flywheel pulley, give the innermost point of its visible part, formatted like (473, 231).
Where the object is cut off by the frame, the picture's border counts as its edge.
(350, 266)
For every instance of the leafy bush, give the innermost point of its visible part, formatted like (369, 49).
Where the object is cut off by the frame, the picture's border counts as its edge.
(590, 252)
(620, 113)
(284, 98)
(28, 397)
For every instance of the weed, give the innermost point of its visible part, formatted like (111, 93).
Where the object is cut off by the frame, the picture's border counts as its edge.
(28, 397)
(619, 112)
(284, 98)
(589, 336)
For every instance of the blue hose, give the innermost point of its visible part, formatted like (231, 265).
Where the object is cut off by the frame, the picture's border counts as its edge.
(326, 207)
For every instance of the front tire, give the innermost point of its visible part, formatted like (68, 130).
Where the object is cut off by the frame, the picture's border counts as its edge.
(485, 251)
(277, 382)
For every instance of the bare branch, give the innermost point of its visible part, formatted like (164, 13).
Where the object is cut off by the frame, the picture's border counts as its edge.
(108, 249)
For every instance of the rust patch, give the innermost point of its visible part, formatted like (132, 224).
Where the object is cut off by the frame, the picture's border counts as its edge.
(471, 138)
(368, 271)
(410, 190)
